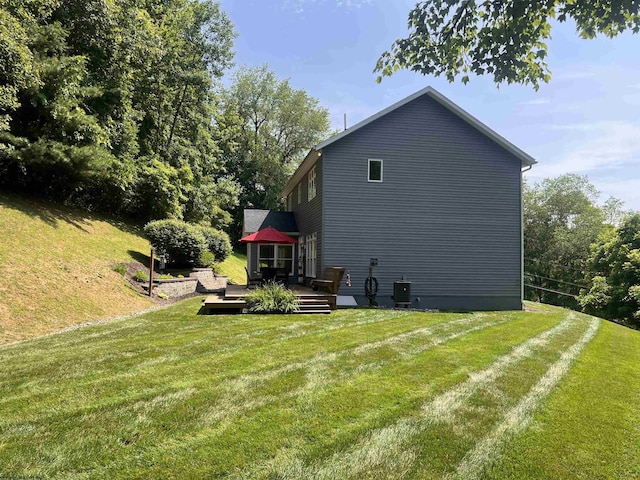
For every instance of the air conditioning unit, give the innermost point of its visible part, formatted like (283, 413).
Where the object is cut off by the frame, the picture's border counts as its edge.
(402, 293)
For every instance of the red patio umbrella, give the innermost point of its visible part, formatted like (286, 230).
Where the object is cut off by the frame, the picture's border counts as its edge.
(269, 235)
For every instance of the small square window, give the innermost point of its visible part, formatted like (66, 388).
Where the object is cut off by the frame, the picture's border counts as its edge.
(375, 170)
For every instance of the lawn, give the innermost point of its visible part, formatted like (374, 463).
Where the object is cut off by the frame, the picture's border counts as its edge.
(356, 394)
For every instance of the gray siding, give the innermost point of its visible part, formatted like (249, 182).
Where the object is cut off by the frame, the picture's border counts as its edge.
(252, 251)
(447, 215)
(309, 213)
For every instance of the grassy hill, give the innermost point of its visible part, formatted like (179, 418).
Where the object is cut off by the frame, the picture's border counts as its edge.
(56, 268)
(375, 394)
(233, 267)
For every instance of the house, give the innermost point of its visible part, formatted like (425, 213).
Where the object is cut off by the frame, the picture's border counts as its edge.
(423, 187)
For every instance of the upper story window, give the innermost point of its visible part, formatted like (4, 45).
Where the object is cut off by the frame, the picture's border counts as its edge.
(299, 193)
(375, 170)
(311, 180)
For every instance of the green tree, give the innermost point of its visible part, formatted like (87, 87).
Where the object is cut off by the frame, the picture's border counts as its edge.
(275, 126)
(614, 271)
(561, 221)
(111, 104)
(506, 39)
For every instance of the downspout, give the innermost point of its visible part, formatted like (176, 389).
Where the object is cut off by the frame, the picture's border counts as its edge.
(522, 238)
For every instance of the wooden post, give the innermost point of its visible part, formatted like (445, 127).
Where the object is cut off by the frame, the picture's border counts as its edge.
(151, 273)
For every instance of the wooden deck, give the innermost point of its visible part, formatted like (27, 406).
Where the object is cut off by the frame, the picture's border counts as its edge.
(232, 301)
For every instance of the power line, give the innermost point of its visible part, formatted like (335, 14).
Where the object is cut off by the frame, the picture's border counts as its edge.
(555, 265)
(550, 290)
(554, 280)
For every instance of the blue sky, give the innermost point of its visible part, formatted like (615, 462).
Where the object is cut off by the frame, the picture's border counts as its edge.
(584, 121)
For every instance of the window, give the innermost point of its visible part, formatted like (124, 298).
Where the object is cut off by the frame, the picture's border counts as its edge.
(310, 248)
(266, 256)
(284, 257)
(375, 170)
(280, 256)
(301, 256)
(311, 180)
(299, 193)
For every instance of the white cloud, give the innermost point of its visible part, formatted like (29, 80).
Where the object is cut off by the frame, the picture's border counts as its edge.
(608, 152)
(577, 72)
(627, 190)
(299, 5)
(603, 144)
(537, 101)
(575, 127)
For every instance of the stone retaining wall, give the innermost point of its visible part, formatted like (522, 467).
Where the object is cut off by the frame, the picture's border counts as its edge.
(209, 282)
(176, 287)
(201, 280)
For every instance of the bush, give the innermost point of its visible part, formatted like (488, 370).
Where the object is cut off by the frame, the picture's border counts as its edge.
(180, 242)
(272, 298)
(218, 243)
(207, 259)
(120, 268)
(141, 276)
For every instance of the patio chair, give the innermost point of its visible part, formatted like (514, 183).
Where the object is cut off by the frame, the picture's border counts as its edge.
(253, 281)
(332, 279)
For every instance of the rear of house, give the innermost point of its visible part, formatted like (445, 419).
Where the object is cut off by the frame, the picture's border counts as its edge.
(428, 191)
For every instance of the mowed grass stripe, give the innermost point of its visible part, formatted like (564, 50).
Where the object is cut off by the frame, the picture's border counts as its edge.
(253, 421)
(518, 418)
(343, 412)
(100, 341)
(388, 449)
(106, 371)
(127, 351)
(588, 427)
(444, 407)
(330, 368)
(241, 396)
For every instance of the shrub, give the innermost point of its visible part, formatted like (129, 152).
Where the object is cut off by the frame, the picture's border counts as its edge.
(272, 298)
(180, 242)
(218, 243)
(207, 259)
(120, 268)
(141, 276)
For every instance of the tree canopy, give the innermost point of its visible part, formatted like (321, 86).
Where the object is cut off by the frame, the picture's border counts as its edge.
(109, 104)
(274, 126)
(613, 269)
(506, 39)
(561, 221)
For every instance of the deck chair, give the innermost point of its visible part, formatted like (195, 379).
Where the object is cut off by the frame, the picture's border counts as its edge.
(332, 279)
(253, 281)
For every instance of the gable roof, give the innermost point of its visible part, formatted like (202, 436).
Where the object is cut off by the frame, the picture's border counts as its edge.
(526, 160)
(255, 220)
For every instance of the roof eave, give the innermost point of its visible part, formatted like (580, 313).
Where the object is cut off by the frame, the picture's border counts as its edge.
(298, 175)
(525, 158)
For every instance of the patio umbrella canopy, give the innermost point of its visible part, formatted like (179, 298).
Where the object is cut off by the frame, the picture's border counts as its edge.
(269, 235)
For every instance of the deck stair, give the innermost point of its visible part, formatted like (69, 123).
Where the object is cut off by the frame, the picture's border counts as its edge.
(232, 301)
(313, 305)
